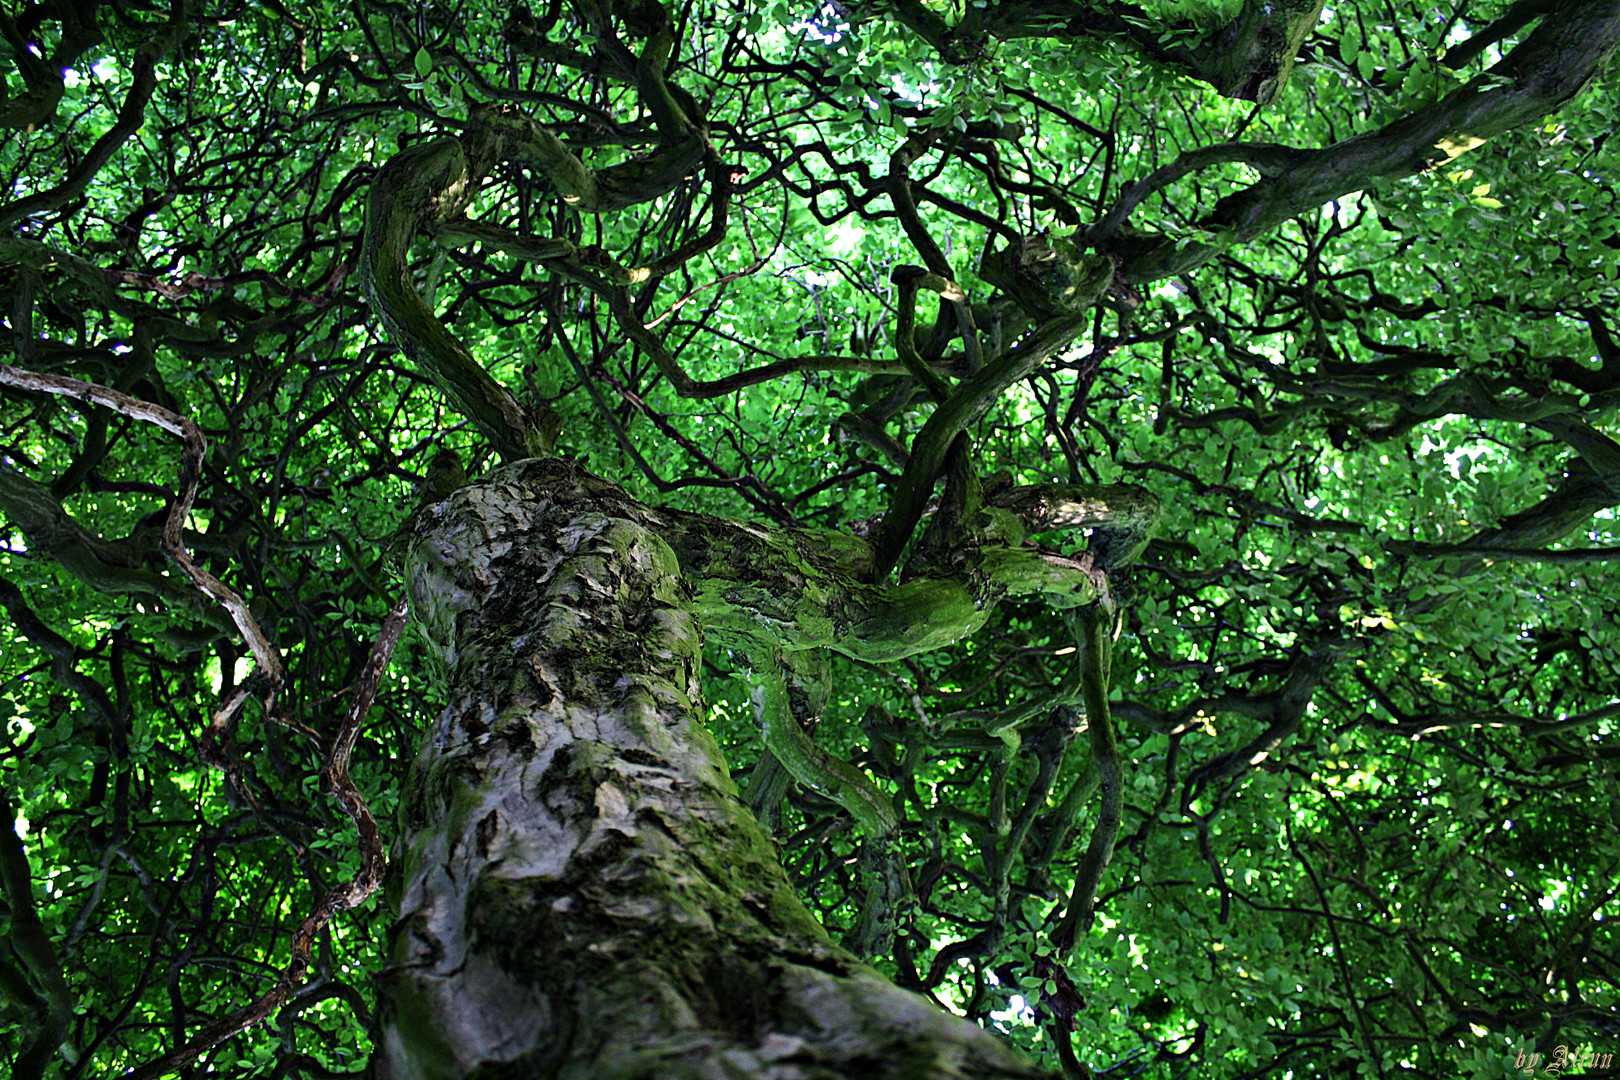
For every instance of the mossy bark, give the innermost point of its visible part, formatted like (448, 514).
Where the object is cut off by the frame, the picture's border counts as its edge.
(581, 892)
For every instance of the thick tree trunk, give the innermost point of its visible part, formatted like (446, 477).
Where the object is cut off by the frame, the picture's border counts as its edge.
(581, 892)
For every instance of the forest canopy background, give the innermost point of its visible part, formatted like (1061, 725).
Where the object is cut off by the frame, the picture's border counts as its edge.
(1335, 284)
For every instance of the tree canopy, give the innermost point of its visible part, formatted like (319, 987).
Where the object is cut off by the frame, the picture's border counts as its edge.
(1198, 415)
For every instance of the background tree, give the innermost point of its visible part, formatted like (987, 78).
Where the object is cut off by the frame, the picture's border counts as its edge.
(1329, 288)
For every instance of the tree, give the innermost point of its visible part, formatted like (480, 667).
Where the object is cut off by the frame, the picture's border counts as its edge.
(787, 524)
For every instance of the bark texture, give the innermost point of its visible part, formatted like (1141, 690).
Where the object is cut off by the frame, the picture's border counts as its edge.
(582, 893)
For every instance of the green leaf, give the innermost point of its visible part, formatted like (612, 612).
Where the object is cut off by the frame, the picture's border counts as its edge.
(423, 62)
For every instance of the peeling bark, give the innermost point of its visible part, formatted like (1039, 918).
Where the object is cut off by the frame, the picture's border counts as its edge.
(582, 893)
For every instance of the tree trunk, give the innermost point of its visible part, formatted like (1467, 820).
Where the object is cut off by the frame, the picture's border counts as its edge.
(581, 892)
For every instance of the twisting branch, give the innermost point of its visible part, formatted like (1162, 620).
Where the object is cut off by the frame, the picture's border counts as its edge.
(953, 416)
(270, 669)
(426, 184)
(910, 279)
(1548, 68)
(899, 188)
(268, 679)
(808, 763)
(1094, 627)
(1268, 159)
(351, 894)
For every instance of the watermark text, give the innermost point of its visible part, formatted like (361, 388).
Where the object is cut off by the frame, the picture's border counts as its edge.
(1559, 1060)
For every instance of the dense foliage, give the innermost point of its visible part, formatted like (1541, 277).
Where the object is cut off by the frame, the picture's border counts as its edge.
(1357, 275)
